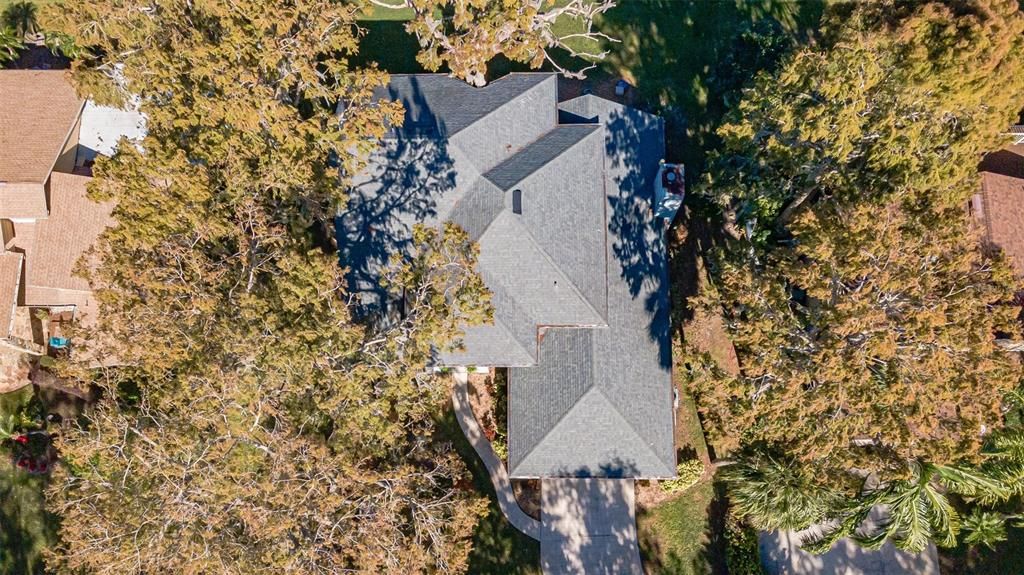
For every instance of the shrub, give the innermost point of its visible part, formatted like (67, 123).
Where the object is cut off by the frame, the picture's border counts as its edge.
(500, 447)
(688, 473)
(742, 556)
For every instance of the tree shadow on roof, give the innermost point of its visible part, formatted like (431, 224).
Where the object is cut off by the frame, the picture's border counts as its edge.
(400, 187)
(1006, 162)
(634, 146)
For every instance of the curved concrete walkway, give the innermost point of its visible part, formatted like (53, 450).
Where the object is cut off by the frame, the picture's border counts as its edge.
(499, 476)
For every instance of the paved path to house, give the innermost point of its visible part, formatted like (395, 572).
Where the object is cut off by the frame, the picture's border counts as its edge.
(499, 476)
(588, 526)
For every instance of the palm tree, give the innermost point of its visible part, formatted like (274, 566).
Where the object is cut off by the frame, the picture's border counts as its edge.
(917, 510)
(772, 493)
(10, 44)
(21, 16)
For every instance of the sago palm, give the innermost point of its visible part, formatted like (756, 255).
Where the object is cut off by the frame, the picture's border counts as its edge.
(984, 528)
(10, 44)
(21, 17)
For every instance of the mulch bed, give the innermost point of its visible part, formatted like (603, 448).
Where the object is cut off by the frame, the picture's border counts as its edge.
(482, 401)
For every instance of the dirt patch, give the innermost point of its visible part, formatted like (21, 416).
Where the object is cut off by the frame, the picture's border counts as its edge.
(649, 494)
(692, 237)
(697, 328)
(481, 400)
(597, 83)
(15, 367)
(527, 492)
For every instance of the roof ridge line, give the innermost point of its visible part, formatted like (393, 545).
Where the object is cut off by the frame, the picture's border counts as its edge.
(498, 322)
(76, 122)
(547, 75)
(591, 127)
(575, 289)
(630, 425)
(596, 389)
(555, 424)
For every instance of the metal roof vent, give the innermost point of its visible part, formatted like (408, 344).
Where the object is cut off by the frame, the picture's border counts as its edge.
(517, 202)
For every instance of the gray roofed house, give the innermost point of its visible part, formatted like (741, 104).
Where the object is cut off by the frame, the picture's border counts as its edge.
(576, 267)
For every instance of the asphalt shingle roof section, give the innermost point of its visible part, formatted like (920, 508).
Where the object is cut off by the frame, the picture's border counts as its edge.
(22, 200)
(438, 106)
(622, 426)
(999, 206)
(577, 276)
(74, 225)
(548, 148)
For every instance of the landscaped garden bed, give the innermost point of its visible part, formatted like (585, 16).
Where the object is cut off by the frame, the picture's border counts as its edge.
(488, 397)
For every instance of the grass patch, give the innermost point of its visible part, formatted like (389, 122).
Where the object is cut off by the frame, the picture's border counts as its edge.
(386, 43)
(682, 57)
(678, 536)
(380, 13)
(26, 529)
(498, 548)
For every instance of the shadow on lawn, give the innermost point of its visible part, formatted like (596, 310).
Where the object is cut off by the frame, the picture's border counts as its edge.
(686, 535)
(689, 58)
(386, 43)
(26, 528)
(498, 548)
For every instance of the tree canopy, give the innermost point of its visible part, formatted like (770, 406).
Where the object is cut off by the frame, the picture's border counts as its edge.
(465, 35)
(862, 303)
(253, 426)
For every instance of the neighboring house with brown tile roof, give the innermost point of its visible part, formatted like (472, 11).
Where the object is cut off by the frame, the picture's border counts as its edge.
(47, 220)
(39, 134)
(75, 223)
(999, 205)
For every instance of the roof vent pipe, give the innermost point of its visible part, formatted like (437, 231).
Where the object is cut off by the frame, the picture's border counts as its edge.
(517, 202)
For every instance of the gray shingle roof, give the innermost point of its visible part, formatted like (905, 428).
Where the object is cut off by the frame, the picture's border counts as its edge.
(436, 105)
(622, 425)
(577, 278)
(548, 148)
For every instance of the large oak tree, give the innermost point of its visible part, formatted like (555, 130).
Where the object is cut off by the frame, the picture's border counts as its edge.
(253, 427)
(862, 303)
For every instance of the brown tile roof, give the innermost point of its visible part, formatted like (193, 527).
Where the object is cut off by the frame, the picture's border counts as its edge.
(39, 109)
(74, 224)
(24, 200)
(10, 277)
(1000, 204)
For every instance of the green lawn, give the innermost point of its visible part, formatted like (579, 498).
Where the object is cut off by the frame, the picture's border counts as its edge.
(26, 530)
(380, 13)
(498, 548)
(687, 56)
(681, 536)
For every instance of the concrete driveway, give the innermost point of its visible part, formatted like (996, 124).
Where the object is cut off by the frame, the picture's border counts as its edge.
(781, 555)
(588, 526)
